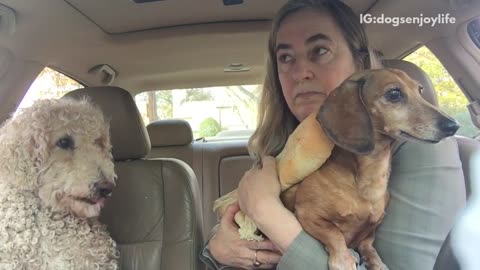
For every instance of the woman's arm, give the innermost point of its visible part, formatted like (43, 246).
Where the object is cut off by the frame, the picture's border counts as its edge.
(304, 252)
(259, 198)
(259, 192)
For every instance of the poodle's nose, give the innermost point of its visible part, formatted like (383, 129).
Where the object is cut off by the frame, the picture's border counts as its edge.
(103, 188)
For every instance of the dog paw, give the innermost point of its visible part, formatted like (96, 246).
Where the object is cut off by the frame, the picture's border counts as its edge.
(377, 266)
(343, 261)
(373, 262)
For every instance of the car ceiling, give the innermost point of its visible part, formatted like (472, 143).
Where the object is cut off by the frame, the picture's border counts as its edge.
(186, 43)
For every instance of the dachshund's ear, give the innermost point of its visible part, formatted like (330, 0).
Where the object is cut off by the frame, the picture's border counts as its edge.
(344, 117)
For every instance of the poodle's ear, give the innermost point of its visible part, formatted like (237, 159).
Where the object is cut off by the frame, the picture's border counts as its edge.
(344, 117)
(24, 151)
(38, 147)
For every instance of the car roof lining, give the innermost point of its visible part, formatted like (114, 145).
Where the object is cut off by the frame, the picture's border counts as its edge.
(194, 55)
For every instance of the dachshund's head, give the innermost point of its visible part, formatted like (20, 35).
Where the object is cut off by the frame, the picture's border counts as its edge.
(374, 103)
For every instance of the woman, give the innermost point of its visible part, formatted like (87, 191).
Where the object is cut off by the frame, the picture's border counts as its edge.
(315, 45)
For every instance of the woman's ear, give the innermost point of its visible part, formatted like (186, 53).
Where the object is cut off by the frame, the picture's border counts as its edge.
(344, 117)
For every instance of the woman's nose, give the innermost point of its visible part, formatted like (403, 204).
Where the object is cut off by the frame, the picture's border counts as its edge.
(302, 71)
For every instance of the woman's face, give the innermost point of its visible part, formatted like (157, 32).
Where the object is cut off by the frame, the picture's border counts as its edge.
(313, 58)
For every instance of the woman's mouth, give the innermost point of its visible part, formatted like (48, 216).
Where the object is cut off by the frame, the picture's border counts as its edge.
(309, 94)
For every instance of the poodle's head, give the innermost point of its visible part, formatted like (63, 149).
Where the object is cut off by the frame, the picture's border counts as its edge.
(61, 151)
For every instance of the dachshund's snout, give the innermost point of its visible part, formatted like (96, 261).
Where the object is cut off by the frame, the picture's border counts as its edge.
(103, 188)
(448, 126)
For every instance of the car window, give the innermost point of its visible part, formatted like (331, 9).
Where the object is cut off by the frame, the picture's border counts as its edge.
(49, 84)
(213, 112)
(450, 98)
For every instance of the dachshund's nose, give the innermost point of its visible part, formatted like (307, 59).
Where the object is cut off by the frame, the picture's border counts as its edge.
(103, 188)
(449, 127)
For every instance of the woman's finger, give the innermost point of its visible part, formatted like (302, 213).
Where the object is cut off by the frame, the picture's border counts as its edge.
(268, 257)
(268, 162)
(228, 216)
(265, 245)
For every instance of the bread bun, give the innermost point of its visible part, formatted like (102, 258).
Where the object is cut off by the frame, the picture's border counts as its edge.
(307, 148)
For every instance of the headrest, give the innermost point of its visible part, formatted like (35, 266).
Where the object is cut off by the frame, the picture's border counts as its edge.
(417, 74)
(172, 132)
(127, 131)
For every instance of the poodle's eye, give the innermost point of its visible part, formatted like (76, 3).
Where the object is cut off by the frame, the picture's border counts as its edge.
(66, 143)
(100, 142)
(394, 95)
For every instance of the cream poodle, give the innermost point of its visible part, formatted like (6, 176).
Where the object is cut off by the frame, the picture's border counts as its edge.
(56, 170)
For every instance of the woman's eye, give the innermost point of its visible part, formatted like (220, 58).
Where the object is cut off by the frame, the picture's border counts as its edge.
(394, 95)
(284, 58)
(66, 143)
(319, 51)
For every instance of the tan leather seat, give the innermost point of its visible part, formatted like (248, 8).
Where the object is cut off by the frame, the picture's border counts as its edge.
(466, 146)
(218, 165)
(155, 213)
(224, 163)
(171, 138)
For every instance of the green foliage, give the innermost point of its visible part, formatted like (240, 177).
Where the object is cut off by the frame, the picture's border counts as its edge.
(209, 127)
(450, 97)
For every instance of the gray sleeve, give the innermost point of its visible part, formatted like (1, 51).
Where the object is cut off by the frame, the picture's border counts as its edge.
(427, 191)
(305, 252)
(207, 258)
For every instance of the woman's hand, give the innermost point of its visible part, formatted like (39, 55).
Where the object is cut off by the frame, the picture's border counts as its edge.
(259, 198)
(259, 189)
(228, 249)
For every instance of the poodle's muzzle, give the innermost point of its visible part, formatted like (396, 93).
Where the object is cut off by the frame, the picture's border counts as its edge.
(100, 191)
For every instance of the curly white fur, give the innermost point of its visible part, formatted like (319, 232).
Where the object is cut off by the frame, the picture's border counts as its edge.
(49, 198)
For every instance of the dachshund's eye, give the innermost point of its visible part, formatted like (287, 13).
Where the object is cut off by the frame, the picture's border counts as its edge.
(66, 143)
(420, 89)
(394, 95)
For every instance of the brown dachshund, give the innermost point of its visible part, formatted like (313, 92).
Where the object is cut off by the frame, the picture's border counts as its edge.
(343, 202)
